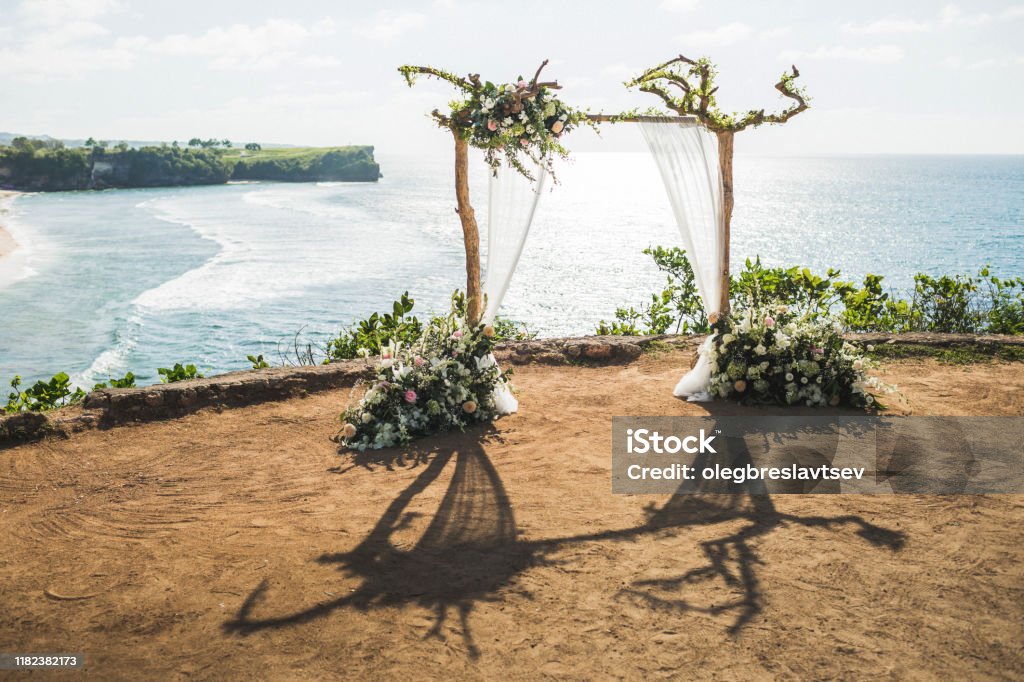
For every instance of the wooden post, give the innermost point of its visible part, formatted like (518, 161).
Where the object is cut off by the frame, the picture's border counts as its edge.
(470, 232)
(725, 140)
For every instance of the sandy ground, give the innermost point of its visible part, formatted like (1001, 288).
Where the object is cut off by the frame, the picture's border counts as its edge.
(243, 545)
(7, 243)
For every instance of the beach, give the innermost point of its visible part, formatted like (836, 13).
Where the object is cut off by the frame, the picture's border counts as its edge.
(7, 243)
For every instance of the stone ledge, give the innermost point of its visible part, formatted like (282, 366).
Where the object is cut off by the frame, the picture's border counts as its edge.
(112, 407)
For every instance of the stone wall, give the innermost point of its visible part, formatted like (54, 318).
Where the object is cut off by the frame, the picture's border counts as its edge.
(111, 407)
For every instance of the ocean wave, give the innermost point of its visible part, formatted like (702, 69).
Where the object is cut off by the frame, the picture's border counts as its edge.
(113, 361)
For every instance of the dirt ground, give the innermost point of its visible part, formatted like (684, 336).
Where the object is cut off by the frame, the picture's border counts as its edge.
(243, 545)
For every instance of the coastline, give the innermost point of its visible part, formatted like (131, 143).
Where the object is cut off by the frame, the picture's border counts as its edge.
(7, 243)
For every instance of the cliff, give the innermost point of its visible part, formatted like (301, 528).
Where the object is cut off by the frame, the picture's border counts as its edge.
(48, 169)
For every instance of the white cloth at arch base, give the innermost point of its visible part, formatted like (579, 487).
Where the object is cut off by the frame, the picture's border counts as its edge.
(511, 203)
(687, 157)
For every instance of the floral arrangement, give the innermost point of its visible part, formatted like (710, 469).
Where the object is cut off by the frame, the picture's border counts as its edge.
(508, 120)
(445, 380)
(503, 123)
(766, 354)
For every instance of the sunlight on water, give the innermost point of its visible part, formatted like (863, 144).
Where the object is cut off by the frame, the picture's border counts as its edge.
(136, 279)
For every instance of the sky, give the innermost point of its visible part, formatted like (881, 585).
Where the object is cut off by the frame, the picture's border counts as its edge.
(885, 77)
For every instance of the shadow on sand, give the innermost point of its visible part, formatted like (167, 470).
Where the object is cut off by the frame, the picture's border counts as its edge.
(471, 549)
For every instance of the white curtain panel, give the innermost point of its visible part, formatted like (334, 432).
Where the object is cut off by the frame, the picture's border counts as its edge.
(511, 203)
(687, 157)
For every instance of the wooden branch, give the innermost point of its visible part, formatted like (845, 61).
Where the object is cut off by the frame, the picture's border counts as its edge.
(660, 67)
(442, 75)
(540, 68)
(618, 118)
(785, 87)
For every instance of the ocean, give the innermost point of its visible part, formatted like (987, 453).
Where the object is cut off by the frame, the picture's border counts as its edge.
(122, 280)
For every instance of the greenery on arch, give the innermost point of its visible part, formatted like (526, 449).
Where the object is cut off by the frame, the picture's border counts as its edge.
(510, 122)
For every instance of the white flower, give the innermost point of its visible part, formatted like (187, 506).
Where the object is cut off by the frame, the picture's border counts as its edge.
(760, 349)
(507, 120)
(789, 376)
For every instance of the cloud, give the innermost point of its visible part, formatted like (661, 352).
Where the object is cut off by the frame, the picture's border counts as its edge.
(272, 44)
(388, 25)
(888, 26)
(879, 54)
(1013, 12)
(730, 34)
(39, 58)
(778, 32)
(952, 15)
(679, 5)
(980, 64)
(57, 38)
(50, 12)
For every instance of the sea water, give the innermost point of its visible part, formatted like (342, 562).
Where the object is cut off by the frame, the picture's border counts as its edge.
(138, 279)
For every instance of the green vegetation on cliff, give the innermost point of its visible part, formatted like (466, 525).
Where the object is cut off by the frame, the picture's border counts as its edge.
(305, 164)
(37, 165)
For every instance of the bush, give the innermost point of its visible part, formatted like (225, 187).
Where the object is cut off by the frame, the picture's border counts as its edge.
(178, 373)
(127, 381)
(768, 354)
(444, 380)
(981, 304)
(380, 330)
(43, 395)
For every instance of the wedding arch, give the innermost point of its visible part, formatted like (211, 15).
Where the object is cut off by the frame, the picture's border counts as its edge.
(519, 127)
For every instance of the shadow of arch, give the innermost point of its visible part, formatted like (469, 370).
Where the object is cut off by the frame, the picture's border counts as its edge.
(471, 548)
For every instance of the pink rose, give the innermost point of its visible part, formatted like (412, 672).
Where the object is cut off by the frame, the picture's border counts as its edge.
(385, 355)
(457, 334)
(769, 322)
(492, 125)
(410, 396)
(522, 84)
(419, 361)
(523, 141)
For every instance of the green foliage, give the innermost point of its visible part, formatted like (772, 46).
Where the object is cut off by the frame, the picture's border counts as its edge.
(368, 337)
(258, 362)
(676, 309)
(506, 120)
(178, 373)
(445, 380)
(37, 165)
(512, 330)
(687, 87)
(982, 304)
(43, 395)
(306, 164)
(253, 147)
(127, 381)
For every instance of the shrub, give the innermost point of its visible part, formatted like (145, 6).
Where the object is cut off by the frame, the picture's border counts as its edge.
(378, 331)
(768, 354)
(127, 381)
(178, 373)
(981, 304)
(257, 361)
(444, 380)
(43, 395)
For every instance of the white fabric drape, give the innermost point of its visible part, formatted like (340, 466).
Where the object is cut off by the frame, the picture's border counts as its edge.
(687, 157)
(511, 204)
